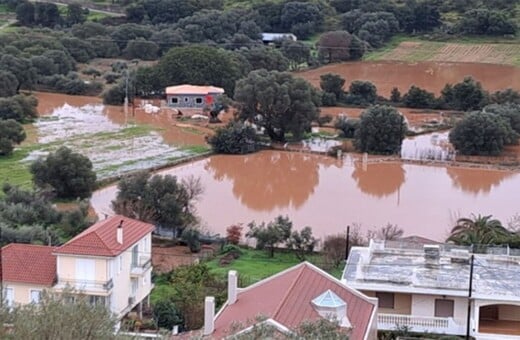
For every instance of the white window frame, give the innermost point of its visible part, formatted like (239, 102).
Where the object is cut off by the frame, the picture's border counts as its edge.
(9, 302)
(31, 297)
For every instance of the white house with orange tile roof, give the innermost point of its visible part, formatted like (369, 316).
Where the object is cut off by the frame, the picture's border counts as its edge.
(110, 262)
(192, 96)
(286, 300)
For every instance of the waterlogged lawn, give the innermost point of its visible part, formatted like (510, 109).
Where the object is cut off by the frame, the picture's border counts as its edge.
(112, 148)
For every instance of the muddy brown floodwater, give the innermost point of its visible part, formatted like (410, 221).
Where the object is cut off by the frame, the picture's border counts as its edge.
(329, 194)
(431, 76)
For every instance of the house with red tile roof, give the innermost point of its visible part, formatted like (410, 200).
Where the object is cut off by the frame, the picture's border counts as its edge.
(27, 270)
(288, 299)
(110, 262)
(192, 96)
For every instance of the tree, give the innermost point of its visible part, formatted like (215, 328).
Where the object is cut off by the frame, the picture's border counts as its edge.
(11, 132)
(395, 95)
(66, 315)
(302, 242)
(46, 14)
(141, 49)
(8, 84)
(21, 108)
(234, 234)
(235, 138)
(135, 13)
(388, 232)
(278, 102)
(419, 16)
(25, 13)
(161, 200)
(478, 230)
(347, 126)
(75, 15)
(381, 130)
(482, 133)
(483, 21)
(265, 57)
(20, 68)
(296, 51)
(295, 13)
(68, 173)
(505, 96)
(191, 237)
(361, 93)
(269, 236)
(418, 98)
(510, 112)
(334, 46)
(199, 65)
(82, 51)
(332, 83)
(466, 95)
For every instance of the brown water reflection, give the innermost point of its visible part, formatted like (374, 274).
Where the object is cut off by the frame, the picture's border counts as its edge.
(431, 76)
(472, 181)
(269, 180)
(379, 179)
(328, 194)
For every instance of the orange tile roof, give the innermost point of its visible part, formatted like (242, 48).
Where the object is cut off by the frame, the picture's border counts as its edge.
(28, 263)
(100, 239)
(286, 298)
(193, 89)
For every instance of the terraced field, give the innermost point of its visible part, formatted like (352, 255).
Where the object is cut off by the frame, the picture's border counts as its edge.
(412, 51)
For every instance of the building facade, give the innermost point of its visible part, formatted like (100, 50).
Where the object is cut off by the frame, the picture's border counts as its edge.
(110, 263)
(192, 96)
(427, 288)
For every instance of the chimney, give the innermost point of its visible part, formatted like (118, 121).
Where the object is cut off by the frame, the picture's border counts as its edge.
(232, 287)
(431, 254)
(209, 315)
(119, 233)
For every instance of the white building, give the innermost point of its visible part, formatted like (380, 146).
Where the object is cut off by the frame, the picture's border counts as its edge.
(110, 262)
(427, 288)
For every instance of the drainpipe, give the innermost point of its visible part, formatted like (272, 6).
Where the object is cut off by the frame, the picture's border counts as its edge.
(468, 321)
(347, 245)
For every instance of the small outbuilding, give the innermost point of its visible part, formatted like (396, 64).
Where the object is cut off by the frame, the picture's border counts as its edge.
(268, 38)
(192, 96)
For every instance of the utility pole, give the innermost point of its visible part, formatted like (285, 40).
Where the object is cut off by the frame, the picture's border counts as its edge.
(347, 244)
(468, 321)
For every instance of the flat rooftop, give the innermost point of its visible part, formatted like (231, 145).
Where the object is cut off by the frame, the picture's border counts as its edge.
(393, 266)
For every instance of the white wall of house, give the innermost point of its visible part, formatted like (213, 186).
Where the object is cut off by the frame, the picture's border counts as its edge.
(130, 286)
(21, 293)
(424, 305)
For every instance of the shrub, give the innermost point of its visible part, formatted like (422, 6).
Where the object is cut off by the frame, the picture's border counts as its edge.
(419, 98)
(233, 234)
(328, 99)
(191, 237)
(234, 138)
(347, 126)
(166, 314)
(232, 249)
(324, 120)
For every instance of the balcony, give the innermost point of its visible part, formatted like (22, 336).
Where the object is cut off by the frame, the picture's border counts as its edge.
(139, 267)
(85, 285)
(421, 324)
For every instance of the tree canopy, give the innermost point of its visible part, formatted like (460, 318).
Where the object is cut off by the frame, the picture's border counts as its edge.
(278, 102)
(68, 173)
(381, 130)
(235, 138)
(11, 132)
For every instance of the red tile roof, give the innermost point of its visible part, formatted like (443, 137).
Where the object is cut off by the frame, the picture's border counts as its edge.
(28, 263)
(286, 298)
(100, 239)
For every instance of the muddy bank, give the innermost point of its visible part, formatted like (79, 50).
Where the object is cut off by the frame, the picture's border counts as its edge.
(431, 76)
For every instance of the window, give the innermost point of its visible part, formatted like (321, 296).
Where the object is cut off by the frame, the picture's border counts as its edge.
(386, 300)
(95, 300)
(120, 263)
(135, 254)
(198, 100)
(174, 100)
(35, 296)
(9, 296)
(186, 99)
(146, 244)
(444, 308)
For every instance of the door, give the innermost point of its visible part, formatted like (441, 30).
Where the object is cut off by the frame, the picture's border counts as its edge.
(85, 273)
(489, 312)
(9, 296)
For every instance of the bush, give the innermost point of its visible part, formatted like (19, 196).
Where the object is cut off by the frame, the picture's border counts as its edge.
(191, 237)
(166, 314)
(347, 126)
(235, 138)
(334, 249)
(233, 250)
(362, 93)
(328, 99)
(11, 132)
(419, 98)
(324, 120)
(111, 77)
(234, 234)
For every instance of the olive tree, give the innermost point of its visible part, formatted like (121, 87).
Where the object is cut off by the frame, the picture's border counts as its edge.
(278, 102)
(235, 138)
(68, 173)
(11, 132)
(269, 236)
(482, 133)
(381, 130)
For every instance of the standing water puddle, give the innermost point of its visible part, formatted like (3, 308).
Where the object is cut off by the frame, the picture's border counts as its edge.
(432, 147)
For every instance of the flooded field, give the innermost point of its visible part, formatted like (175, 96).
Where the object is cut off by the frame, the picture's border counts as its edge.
(328, 194)
(431, 76)
(111, 139)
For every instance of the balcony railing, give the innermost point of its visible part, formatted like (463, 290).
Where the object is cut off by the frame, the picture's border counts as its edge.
(141, 265)
(86, 285)
(420, 324)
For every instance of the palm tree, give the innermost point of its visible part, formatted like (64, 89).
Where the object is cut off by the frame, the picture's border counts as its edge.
(479, 230)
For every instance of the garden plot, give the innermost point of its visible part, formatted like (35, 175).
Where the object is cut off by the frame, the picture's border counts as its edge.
(113, 149)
